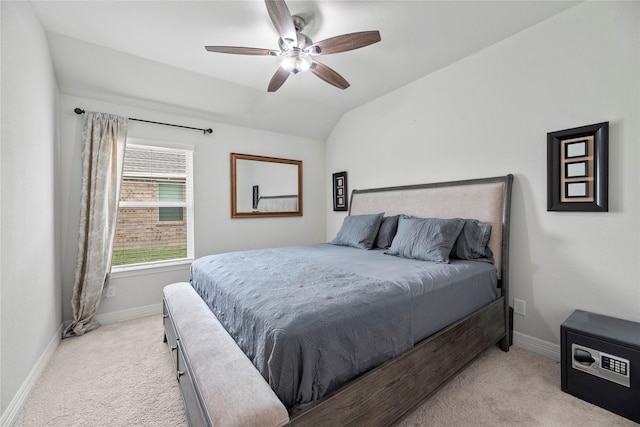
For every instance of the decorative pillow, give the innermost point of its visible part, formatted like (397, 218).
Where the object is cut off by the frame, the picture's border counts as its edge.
(428, 239)
(359, 231)
(472, 241)
(387, 231)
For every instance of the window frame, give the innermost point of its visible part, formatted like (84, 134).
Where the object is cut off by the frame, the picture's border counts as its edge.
(187, 204)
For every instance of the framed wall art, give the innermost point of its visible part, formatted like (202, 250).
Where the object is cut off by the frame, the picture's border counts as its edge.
(578, 169)
(340, 192)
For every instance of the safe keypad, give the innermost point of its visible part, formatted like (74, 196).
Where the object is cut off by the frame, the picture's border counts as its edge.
(614, 365)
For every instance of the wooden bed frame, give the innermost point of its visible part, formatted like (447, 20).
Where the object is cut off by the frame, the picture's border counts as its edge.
(385, 394)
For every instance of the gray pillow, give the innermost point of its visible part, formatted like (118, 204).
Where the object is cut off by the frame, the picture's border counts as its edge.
(428, 239)
(472, 241)
(359, 231)
(387, 231)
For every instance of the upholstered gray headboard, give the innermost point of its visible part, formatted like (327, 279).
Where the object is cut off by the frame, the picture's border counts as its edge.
(485, 199)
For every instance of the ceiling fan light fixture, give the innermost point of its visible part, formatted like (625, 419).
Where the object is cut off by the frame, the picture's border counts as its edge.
(297, 49)
(295, 61)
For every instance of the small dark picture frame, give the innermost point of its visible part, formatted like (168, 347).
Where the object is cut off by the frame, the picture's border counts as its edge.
(255, 196)
(340, 191)
(578, 169)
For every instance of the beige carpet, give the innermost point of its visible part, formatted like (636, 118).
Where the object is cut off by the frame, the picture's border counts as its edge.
(122, 375)
(117, 375)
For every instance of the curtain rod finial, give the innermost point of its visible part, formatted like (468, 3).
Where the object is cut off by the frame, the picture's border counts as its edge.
(206, 131)
(79, 111)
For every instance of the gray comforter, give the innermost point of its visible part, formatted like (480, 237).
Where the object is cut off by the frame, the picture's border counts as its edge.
(308, 327)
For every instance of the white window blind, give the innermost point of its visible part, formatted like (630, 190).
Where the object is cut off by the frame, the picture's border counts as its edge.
(155, 214)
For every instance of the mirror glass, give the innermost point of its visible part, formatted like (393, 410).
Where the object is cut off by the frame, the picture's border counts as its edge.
(265, 186)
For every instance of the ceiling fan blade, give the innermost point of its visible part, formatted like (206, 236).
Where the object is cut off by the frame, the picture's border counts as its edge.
(242, 50)
(344, 42)
(278, 79)
(282, 20)
(329, 75)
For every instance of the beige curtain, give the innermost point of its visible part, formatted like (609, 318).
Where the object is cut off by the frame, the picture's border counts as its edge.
(103, 144)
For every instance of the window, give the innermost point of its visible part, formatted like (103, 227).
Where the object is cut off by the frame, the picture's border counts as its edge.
(170, 193)
(155, 214)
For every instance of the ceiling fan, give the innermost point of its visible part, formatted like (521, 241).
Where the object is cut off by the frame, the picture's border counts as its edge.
(297, 51)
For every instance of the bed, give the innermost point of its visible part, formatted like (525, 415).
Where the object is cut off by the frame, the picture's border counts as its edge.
(286, 203)
(238, 372)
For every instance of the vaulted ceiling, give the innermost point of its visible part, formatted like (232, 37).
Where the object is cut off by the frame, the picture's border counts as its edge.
(151, 53)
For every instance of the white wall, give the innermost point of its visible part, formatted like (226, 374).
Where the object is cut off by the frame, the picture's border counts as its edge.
(215, 231)
(488, 115)
(29, 267)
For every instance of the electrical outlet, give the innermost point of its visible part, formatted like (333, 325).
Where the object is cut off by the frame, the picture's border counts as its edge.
(519, 307)
(111, 291)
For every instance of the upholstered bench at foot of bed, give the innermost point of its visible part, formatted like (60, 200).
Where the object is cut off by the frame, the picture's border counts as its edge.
(226, 385)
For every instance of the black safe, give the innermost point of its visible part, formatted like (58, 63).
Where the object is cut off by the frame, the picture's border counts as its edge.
(600, 362)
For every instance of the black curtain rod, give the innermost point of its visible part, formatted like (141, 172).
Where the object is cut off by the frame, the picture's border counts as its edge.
(205, 131)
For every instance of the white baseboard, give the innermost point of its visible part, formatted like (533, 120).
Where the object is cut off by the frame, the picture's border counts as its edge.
(536, 345)
(10, 415)
(130, 314)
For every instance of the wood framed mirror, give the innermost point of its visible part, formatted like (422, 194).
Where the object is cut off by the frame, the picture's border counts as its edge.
(265, 186)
